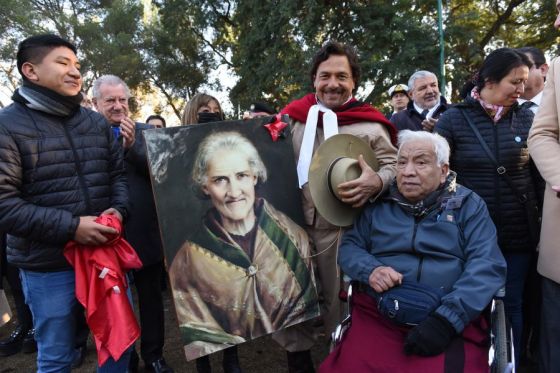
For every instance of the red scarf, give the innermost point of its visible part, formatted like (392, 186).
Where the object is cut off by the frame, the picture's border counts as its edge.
(351, 112)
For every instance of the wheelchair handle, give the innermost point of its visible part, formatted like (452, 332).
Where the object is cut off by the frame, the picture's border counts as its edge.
(501, 293)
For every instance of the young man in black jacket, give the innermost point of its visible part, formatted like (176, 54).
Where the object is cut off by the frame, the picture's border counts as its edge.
(60, 168)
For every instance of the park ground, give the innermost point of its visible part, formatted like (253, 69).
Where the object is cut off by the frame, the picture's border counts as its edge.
(259, 355)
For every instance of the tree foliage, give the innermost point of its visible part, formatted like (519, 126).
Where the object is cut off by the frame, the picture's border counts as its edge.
(173, 46)
(106, 34)
(394, 37)
(176, 59)
(475, 28)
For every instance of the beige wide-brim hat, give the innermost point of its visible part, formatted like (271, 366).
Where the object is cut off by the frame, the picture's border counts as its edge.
(335, 162)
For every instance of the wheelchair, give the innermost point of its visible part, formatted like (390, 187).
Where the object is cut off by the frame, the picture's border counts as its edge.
(501, 357)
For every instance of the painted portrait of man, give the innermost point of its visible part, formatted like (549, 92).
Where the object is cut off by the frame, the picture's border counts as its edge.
(245, 270)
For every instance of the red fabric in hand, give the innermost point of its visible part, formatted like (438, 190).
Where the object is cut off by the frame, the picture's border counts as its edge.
(101, 287)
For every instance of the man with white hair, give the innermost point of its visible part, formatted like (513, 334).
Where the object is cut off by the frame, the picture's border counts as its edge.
(241, 233)
(110, 97)
(426, 104)
(434, 238)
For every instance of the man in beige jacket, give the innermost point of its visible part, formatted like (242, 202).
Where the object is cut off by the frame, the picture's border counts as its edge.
(544, 147)
(331, 109)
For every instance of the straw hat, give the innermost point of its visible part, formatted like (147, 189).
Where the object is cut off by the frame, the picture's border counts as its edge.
(335, 162)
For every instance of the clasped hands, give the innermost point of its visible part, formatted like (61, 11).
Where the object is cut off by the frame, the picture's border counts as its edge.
(128, 132)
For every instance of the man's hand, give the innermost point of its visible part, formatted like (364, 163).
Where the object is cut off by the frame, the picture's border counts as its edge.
(128, 132)
(91, 233)
(357, 192)
(429, 338)
(113, 211)
(428, 124)
(556, 188)
(383, 278)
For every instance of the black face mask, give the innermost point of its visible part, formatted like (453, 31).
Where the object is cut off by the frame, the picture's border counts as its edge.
(209, 117)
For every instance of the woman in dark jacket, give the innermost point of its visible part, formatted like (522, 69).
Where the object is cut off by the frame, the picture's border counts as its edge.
(507, 181)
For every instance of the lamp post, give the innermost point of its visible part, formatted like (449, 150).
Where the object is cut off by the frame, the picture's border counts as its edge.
(441, 48)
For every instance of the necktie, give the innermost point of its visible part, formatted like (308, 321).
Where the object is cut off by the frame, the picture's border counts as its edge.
(424, 113)
(527, 104)
(116, 131)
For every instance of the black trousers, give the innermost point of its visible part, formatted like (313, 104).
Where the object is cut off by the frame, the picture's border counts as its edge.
(150, 302)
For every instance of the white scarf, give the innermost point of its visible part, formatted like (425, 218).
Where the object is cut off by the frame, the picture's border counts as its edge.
(330, 128)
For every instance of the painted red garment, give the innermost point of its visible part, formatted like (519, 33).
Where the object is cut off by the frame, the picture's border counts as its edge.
(375, 344)
(101, 287)
(351, 112)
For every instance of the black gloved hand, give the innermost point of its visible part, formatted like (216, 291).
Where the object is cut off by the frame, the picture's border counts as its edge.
(429, 338)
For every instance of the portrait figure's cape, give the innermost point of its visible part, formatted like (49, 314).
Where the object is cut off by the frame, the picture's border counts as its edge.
(230, 289)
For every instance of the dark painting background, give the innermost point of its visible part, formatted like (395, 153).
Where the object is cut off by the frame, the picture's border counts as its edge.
(180, 208)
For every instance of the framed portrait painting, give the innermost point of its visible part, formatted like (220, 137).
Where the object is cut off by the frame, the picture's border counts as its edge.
(230, 216)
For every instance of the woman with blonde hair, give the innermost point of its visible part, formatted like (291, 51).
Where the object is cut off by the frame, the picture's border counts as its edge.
(202, 108)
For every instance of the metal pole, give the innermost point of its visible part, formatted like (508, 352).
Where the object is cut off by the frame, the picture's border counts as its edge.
(441, 49)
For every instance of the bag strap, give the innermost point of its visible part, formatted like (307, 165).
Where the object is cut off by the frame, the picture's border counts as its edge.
(501, 170)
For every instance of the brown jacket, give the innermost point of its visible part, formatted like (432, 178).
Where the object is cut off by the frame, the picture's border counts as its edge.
(544, 147)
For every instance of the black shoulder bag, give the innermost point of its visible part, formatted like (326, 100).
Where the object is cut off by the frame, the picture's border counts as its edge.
(531, 208)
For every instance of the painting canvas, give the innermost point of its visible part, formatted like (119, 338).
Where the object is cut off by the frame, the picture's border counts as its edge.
(230, 216)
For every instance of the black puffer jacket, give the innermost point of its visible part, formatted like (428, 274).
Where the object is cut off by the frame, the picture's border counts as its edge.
(507, 139)
(52, 171)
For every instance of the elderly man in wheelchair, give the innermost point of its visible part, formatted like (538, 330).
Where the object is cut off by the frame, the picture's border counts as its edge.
(424, 263)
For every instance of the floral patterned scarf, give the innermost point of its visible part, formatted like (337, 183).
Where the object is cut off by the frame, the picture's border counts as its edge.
(496, 112)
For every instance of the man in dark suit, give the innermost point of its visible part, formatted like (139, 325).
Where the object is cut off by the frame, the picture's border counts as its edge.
(426, 104)
(110, 97)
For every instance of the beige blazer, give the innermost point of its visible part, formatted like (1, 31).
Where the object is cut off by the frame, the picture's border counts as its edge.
(544, 148)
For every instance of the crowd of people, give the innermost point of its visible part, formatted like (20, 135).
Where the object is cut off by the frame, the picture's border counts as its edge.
(451, 214)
